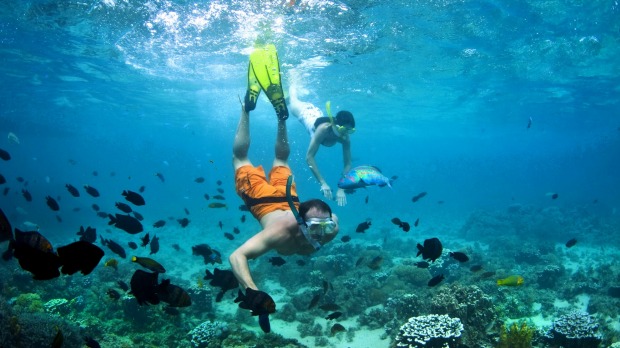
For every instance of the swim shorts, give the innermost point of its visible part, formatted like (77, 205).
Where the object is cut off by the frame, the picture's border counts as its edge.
(252, 186)
(308, 116)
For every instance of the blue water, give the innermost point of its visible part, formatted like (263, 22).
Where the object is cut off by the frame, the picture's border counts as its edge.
(442, 92)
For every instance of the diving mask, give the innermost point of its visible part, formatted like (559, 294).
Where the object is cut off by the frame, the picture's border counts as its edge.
(342, 130)
(319, 228)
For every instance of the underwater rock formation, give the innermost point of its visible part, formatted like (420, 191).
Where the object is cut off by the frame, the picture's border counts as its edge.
(429, 331)
(574, 330)
(208, 334)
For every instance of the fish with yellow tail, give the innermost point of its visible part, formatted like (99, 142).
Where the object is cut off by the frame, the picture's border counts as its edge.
(513, 280)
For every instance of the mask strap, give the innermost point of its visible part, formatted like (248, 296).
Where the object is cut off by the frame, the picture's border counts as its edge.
(300, 221)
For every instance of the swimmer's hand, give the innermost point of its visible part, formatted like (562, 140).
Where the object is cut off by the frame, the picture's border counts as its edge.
(341, 197)
(327, 191)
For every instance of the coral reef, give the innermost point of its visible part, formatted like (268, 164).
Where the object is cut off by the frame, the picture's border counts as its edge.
(429, 331)
(574, 330)
(208, 334)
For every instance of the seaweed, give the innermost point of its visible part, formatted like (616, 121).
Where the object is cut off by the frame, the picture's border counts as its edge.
(517, 336)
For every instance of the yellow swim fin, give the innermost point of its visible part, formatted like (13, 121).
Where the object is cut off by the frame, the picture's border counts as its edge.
(251, 95)
(265, 69)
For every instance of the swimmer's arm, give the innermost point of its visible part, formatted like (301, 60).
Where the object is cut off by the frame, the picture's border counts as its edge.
(254, 247)
(313, 148)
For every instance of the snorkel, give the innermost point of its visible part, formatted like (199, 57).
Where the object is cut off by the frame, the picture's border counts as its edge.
(300, 221)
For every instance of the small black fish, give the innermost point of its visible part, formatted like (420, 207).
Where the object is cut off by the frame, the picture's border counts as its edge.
(229, 236)
(91, 190)
(88, 235)
(199, 180)
(458, 256)
(59, 339)
(126, 223)
(345, 239)
(123, 207)
(359, 261)
(422, 264)
(435, 280)
(183, 222)
(27, 195)
(361, 228)
(277, 261)
(121, 284)
(219, 182)
(138, 216)
(90, 342)
(554, 196)
(186, 211)
(242, 218)
(115, 247)
(141, 189)
(2, 179)
(176, 247)
(314, 301)
(375, 263)
(58, 218)
(220, 224)
(144, 287)
(72, 190)
(5, 191)
(244, 207)
(159, 223)
(418, 197)
(133, 197)
(416, 223)
(207, 197)
(334, 315)
(154, 245)
(406, 227)
(51, 202)
(173, 295)
(102, 214)
(337, 328)
(20, 179)
(476, 268)
(95, 173)
(96, 207)
(220, 190)
(160, 176)
(220, 197)
(223, 279)
(366, 200)
(236, 230)
(4, 155)
(431, 250)
(113, 294)
(571, 243)
(132, 245)
(529, 123)
(396, 221)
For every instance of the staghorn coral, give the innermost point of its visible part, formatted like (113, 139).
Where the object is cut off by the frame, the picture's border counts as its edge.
(429, 331)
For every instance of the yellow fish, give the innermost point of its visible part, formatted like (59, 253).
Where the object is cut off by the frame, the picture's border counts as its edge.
(111, 263)
(513, 280)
